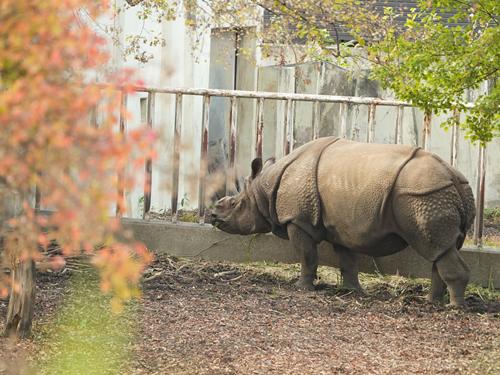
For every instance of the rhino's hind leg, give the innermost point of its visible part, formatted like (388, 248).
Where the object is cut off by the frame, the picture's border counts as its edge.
(455, 273)
(348, 262)
(308, 254)
(432, 225)
(438, 286)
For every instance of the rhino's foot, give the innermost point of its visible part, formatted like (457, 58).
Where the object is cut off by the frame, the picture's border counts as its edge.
(456, 302)
(305, 285)
(432, 298)
(355, 288)
(438, 287)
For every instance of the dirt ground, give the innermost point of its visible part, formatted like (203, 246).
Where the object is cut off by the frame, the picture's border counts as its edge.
(213, 318)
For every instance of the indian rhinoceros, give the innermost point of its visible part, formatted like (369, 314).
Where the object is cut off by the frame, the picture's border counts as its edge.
(373, 199)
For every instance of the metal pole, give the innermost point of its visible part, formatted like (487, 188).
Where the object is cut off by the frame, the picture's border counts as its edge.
(259, 132)
(343, 111)
(231, 173)
(426, 131)
(279, 96)
(203, 159)
(454, 139)
(398, 136)
(148, 168)
(288, 130)
(480, 190)
(354, 127)
(371, 123)
(120, 204)
(176, 155)
(315, 129)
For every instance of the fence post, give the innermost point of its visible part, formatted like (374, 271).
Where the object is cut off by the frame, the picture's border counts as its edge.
(426, 131)
(454, 139)
(233, 130)
(371, 123)
(398, 136)
(288, 130)
(203, 159)
(120, 204)
(176, 155)
(343, 112)
(480, 190)
(148, 168)
(259, 132)
(315, 129)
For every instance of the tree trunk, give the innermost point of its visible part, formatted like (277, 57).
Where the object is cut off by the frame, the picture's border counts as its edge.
(22, 298)
(22, 295)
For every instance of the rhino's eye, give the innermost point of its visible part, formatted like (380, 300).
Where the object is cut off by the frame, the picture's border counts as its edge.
(233, 203)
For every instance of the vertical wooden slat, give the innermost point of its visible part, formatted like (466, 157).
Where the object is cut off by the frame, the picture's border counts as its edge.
(233, 130)
(259, 126)
(148, 168)
(370, 135)
(480, 192)
(203, 159)
(426, 131)
(343, 112)
(455, 136)
(398, 134)
(120, 205)
(316, 118)
(176, 156)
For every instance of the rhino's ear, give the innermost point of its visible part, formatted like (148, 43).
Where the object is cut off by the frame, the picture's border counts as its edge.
(269, 162)
(256, 167)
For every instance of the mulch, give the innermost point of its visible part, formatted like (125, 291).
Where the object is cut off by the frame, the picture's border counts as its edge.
(198, 317)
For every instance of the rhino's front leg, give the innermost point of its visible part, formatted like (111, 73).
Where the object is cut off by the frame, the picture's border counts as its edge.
(308, 253)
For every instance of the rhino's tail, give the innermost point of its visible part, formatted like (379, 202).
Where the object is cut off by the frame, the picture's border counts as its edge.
(467, 208)
(468, 212)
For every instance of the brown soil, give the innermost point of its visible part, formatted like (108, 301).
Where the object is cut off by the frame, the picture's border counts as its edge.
(214, 318)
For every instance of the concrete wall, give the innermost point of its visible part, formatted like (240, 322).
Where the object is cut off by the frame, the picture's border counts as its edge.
(206, 242)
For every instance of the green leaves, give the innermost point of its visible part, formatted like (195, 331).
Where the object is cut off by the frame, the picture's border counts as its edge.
(434, 64)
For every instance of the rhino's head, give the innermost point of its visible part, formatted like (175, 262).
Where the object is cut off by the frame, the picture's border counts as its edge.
(239, 214)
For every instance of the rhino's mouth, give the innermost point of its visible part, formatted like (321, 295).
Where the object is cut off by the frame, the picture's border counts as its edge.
(216, 221)
(220, 224)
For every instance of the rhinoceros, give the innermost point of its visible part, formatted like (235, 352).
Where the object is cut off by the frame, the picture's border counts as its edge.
(363, 198)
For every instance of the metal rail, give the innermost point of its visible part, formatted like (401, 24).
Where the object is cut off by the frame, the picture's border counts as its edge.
(274, 95)
(287, 143)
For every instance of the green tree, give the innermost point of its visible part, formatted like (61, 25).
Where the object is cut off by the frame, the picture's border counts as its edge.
(426, 59)
(432, 63)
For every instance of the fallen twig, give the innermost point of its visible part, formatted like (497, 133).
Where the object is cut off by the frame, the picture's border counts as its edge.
(153, 276)
(225, 273)
(236, 278)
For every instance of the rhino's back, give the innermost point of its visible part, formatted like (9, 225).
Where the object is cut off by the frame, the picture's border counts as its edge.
(355, 181)
(426, 173)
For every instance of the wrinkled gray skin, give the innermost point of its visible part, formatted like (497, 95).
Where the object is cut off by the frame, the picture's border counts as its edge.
(424, 203)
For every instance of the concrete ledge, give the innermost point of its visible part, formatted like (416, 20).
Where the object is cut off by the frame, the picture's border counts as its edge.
(206, 242)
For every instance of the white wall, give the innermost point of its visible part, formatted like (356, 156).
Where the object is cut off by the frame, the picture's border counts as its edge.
(177, 64)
